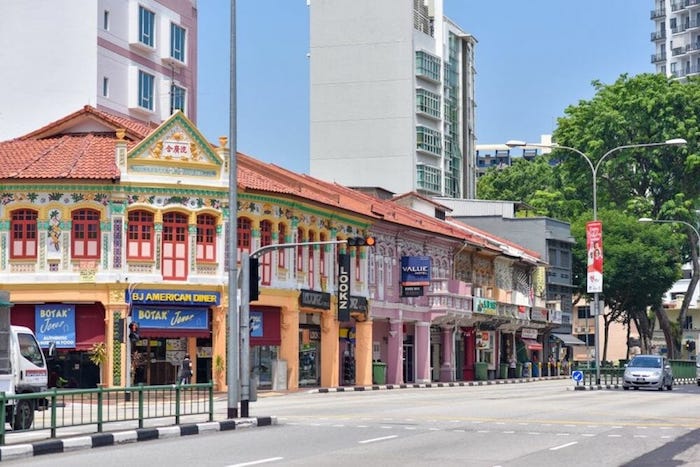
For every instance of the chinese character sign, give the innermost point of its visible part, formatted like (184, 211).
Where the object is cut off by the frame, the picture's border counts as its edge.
(594, 246)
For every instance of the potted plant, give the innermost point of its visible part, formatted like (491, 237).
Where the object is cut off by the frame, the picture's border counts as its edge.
(98, 356)
(219, 369)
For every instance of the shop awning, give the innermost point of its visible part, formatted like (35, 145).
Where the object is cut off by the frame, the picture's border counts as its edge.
(531, 344)
(568, 339)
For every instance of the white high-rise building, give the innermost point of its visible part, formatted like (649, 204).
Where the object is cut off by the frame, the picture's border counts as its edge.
(676, 37)
(136, 58)
(392, 97)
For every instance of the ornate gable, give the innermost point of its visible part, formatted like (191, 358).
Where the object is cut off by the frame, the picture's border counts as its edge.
(176, 148)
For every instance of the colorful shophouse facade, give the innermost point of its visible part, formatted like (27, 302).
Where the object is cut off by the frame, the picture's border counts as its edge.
(105, 221)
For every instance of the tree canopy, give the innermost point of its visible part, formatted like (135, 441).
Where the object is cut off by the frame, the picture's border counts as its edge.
(657, 181)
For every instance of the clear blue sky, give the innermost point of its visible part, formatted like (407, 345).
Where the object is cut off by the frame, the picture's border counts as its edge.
(533, 59)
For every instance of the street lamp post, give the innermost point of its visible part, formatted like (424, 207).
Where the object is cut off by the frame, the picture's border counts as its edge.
(675, 221)
(594, 173)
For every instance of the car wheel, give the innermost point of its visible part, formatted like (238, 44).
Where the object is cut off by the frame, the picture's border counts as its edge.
(24, 415)
(625, 388)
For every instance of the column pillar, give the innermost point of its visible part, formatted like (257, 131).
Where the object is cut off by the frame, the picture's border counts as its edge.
(289, 347)
(218, 347)
(363, 353)
(330, 346)
(422, 352)
(446, 370)
(394, 369)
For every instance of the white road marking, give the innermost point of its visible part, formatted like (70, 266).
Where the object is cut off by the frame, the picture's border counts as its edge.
(261, 461)
(374, 440)
(561, 446)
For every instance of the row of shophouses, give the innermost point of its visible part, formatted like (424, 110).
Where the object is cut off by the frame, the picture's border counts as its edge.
(105, 221)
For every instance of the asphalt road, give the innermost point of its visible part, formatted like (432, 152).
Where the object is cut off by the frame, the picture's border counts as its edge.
(542, 423)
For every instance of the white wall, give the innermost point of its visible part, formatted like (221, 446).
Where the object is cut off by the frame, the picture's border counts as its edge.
(49, 62)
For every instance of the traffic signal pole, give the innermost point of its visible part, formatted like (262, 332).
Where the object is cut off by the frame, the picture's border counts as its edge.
(244, 325)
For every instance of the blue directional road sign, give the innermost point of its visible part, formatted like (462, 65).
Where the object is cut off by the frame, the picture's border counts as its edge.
(577, 376)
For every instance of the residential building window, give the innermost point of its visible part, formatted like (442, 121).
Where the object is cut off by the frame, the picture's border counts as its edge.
(105, 87)
(146, 83)
(281, 238)
(428, 66)
(244, 234)
(206, 238)
(177, 42)
(175, 234)
(428, 178)
(105, 20)
(24, 234)
(310, 271)
(177, 98)
(140, 229)
(428, 102)
(85, 234)
(266, 259)
(584, 312)
(147, 26)
(428, 140)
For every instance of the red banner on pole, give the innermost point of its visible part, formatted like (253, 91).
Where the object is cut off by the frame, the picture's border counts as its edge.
(594, 245)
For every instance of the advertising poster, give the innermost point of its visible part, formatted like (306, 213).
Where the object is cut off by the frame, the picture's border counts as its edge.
(594, 246)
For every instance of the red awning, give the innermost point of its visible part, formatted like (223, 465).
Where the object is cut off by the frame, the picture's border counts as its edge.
(532, 344)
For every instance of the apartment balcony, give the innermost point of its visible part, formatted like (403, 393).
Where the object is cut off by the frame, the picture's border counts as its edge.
(656, 58)
(660, 13)
(658, 35)
(679, 5)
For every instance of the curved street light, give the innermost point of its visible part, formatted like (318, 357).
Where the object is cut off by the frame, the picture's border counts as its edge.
(594, 172)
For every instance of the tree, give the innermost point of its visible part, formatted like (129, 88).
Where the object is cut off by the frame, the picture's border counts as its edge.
(98, 355)
(640, 264)
(643, 181)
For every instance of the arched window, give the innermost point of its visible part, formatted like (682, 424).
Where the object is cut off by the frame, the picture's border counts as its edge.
(174, 246)
(24, 234)
(140, 235)
(322, 256)
(281, 238)
(310, 272)
(244, 233)
(266, 258)
(206, 238)
(85, 234)
(300, 251)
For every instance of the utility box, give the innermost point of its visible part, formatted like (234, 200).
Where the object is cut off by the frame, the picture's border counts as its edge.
(279, 375)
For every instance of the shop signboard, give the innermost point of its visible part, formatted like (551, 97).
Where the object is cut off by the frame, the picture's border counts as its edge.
(256, 324)
(171, 317)
(55, 323)
(485, 306)
(179, 297)
(415, 270)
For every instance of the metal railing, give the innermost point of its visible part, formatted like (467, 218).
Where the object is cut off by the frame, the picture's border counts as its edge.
(100, 407)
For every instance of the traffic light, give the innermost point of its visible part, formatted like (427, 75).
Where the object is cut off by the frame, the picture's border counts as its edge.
(361, 241)
(134, 333)
(254, 278)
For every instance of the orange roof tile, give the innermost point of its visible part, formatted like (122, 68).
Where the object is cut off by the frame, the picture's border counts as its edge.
(83, 157)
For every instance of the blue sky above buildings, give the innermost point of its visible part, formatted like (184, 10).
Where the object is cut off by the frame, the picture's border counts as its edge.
(534, 58)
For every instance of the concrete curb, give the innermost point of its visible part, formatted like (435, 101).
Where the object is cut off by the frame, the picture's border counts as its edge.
(378, 387)
(53, 446)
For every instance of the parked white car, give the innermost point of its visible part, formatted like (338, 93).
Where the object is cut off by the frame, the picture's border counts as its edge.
(697, 371)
